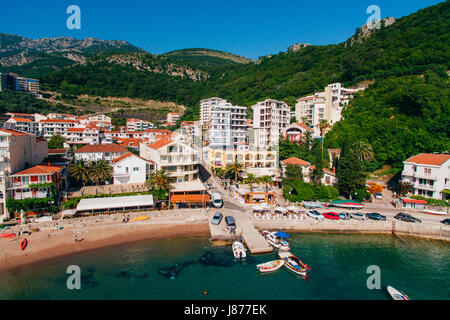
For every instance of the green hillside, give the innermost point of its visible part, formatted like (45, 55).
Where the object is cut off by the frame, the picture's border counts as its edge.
(207, 58)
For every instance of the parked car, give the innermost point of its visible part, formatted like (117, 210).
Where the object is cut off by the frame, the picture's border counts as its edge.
(378, 195)
(358, 216)
(376, 216)
(217, 200)
(217, 218)
(331, 215)
(406, 217)
(315, 215)
(229, 220)
(344, 216)
(446, 221)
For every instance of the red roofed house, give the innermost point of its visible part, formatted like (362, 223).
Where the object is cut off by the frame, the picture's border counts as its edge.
(131, 168)
(296, 131)
(413, 203)
(429, 174)
(95, 152)
(30, 183)
(296, 162)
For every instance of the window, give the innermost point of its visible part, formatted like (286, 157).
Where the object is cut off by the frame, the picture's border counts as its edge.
(135, 169)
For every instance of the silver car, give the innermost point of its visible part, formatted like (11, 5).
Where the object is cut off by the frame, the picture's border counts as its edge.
(315, 215)
(358, 216)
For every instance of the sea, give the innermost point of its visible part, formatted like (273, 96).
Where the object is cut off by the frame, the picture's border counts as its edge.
(343, 267)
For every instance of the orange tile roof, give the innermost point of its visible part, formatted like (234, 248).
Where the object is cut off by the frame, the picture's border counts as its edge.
(101, 148)
(56, 151)
(75, 129)
(325, 170)
(304, 126)
(429, 158)
(296, 161)
(21, 119)
(128, 141)
(14, 132)
(58, 121)
(39, 169)
(164, 141)
(161, 131)
(127, 155)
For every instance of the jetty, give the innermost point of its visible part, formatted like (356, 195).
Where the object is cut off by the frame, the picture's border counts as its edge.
(254, 241)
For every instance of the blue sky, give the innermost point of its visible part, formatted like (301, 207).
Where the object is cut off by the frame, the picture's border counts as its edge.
(247, 27)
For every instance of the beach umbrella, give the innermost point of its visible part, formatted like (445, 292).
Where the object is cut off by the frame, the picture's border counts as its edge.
(282, 234)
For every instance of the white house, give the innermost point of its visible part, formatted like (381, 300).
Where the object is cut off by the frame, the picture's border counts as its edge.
(107, 152)
(131, 168)
(429, 174)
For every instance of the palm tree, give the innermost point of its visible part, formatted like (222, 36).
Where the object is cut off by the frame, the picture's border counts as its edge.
(159, 180)
(363, 150)
(323, 126)
(267, 180)
(235, 169)
(100, 171)
(80, 172)
(251, 179)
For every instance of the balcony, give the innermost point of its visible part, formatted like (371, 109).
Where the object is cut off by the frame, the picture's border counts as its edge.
(29, 194)
(424, 186)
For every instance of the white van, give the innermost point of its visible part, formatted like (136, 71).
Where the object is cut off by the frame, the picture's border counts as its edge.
(217, 200)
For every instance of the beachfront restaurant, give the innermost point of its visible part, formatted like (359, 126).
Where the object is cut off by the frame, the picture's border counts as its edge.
(257, 195)
(189, 194)
(115, 204)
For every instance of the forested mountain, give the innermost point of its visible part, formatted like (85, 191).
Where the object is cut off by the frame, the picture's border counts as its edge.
(34, 57)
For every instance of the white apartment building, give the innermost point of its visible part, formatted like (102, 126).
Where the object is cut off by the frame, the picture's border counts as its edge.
(428, 173)
(270, 119)
(178, 159)
(18, 150)
(326, 105)
(131, 168)
(205, 109)
(83, 135)
(173, 117)
(50, 127)
(138, 125)
(227, 126)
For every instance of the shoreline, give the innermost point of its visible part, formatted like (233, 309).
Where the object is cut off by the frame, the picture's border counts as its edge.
(107, 231)
(63, 244)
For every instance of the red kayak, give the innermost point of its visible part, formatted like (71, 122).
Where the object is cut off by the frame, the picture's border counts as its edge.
(7, 235)
(24, 243)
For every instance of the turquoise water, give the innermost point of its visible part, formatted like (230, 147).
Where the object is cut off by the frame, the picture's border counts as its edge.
(339, 264)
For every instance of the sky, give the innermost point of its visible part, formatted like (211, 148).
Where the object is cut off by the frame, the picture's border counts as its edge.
(247, 27)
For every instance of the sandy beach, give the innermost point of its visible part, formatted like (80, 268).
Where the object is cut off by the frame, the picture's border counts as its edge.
(93, 233)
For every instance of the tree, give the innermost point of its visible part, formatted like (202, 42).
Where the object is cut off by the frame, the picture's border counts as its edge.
(293, 172)
(159, 180)
(80, 172)
(363, 150)
(56, 141)
(349, 173)
(250, 180)
(100, 171)
(404, 188)
(235, 169)
(323, 126)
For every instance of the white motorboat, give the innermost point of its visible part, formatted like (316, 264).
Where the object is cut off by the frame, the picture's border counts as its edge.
(270, 266)
(239, 250)
(397, 295)
(276, 241)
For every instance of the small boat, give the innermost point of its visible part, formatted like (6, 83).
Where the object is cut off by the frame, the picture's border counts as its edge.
(275, 241)
(437, 213)
(23, 244)
(294, 264)
(140, 218)
(270, 266)
(397, 295)
(7, 235)
(239, 250)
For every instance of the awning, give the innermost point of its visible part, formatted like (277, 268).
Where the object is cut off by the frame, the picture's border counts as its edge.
(281, 209)
(115, 203)
(293, 208)
(186, 198)
(415, 201)
(282, 234)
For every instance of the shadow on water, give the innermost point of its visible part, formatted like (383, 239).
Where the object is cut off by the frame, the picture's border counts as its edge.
(131, 275)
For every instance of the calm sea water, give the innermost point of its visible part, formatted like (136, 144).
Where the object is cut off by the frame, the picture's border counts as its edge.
(339, 264)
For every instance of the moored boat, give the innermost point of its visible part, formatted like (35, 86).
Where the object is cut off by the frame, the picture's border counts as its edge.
(24, 243)
(276, 241)
(434, 212)
(140, 218)
(270, 266)
(239, 250)
(294, 264)
(397, 295)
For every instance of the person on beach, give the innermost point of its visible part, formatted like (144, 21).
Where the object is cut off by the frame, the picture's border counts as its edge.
(75, 239)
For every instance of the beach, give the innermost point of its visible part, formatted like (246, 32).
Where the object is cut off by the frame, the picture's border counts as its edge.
(94, 233)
